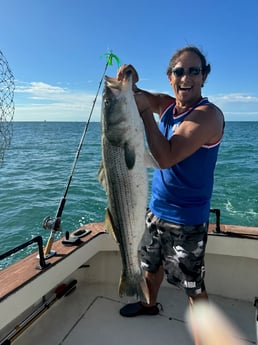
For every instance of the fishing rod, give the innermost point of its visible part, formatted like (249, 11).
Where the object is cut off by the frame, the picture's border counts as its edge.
(54, 224)
(62, 290)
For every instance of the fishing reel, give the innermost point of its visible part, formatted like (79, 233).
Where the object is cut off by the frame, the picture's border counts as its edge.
(53, 224)
(50, 223)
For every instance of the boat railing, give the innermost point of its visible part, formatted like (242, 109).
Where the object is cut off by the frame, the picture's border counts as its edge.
(217, 214)
(38, 239)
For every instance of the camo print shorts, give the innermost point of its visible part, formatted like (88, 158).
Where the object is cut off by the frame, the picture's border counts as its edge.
(179, 248)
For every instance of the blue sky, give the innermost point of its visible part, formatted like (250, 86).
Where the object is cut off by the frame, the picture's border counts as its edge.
(55, 50)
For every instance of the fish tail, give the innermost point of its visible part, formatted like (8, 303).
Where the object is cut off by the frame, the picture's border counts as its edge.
(133, 286)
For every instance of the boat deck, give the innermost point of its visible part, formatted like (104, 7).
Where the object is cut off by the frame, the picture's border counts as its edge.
(90, 315)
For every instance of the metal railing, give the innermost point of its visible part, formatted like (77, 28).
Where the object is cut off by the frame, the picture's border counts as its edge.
(217, 214)
(38, 239)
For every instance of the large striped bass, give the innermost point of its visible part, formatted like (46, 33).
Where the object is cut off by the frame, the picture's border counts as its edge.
(123, 174)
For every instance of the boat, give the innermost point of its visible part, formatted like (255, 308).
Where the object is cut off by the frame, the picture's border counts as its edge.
(67, 292)
(72, 296)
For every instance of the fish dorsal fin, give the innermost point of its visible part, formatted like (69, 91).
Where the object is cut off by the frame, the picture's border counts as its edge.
(130, 157)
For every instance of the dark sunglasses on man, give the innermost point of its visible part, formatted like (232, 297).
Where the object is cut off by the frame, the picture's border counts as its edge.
(191, 71)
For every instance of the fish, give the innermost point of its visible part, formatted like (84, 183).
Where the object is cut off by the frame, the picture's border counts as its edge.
(123, 174)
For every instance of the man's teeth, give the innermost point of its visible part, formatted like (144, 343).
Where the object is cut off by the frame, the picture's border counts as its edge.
(185, 88)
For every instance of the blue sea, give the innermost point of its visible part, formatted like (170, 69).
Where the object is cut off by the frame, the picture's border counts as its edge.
(38, 166)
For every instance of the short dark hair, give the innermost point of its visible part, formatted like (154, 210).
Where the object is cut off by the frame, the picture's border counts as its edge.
(206, 68)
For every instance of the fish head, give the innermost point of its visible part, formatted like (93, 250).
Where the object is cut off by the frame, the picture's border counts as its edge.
(118, 105)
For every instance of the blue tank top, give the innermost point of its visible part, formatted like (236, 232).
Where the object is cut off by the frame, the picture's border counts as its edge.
(181, 194)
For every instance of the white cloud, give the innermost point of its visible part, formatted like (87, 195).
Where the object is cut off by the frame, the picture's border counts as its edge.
(42, 91)
(237, 106)
(234, 98)
(39, 101)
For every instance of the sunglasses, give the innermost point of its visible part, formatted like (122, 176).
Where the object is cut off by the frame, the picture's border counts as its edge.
(191, 72)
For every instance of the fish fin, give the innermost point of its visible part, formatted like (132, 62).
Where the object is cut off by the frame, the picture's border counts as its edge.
(150, 161)
(133, 286)
(129, 156)
(128, 286)
(109, 225)
(102, 176)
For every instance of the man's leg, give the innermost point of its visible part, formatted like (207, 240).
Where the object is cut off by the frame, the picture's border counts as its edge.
(154, 281)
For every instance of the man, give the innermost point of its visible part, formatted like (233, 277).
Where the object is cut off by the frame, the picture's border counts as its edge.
(185, 144)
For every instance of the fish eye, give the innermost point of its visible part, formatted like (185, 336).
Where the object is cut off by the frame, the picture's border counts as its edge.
(107, 102)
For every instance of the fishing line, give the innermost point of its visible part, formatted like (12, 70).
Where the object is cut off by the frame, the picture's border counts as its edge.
(55, 224)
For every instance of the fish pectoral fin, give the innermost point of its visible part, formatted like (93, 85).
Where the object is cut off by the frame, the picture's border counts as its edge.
(130, 157)
(102, 176)
(150, 161)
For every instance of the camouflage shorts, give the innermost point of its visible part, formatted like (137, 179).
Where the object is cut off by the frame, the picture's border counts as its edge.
(179, 248)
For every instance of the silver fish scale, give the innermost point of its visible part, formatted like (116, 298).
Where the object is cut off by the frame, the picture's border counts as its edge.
(124, 176)
(127, 198)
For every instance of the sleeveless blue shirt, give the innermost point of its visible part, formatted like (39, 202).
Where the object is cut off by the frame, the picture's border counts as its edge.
(181, 194)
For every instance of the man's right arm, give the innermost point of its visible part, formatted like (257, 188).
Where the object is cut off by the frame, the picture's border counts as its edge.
(157, 102)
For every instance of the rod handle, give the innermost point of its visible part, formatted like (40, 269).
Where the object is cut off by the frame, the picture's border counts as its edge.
(48, 246)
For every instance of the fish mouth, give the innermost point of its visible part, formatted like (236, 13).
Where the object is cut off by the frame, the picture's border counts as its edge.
(116, 86)
(113, 83)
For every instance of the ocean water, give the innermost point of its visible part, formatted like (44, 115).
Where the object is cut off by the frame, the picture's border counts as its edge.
(38, 166)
